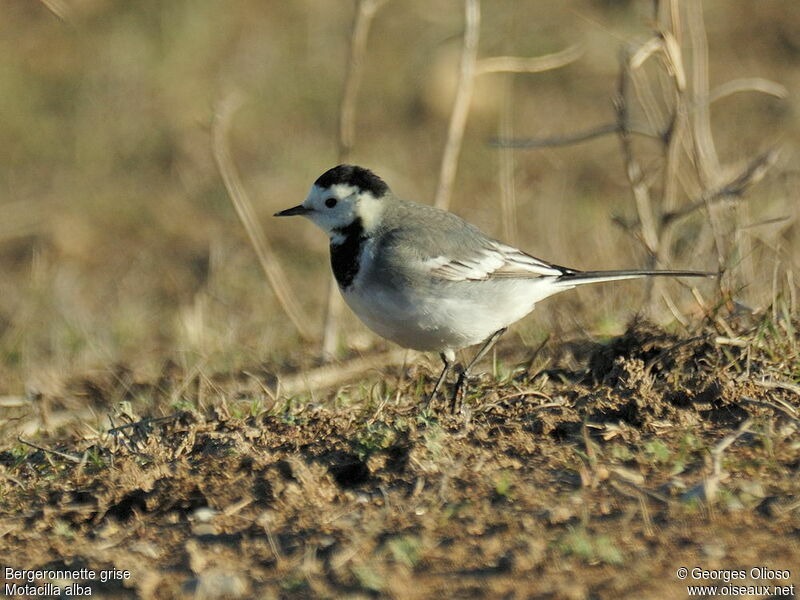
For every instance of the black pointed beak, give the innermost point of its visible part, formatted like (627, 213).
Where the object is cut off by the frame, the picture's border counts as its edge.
(295, 210)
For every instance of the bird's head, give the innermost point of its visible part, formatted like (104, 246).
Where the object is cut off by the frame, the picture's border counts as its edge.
(342, 197)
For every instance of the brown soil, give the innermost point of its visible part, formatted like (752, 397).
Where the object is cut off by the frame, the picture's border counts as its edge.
(595, 472)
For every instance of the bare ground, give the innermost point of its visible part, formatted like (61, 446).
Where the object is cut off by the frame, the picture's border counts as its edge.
(586, 471)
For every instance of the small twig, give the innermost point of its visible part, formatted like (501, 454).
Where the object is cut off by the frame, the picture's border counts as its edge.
(535, 64)
(13, 401)
(641, 192)
(234, 508)
(558, 140)
(667, 351)
(751, 174)
(458, 116)
(781, 385)
(615, 473)
(774, 221)
(748, 84)
(127, 438)
(711, 484)
(534, 394)
(639, 496)
(63, 455)
(773, 384)
(274, 543)
(731, 341)
(725, 442)
(12, 479)
(786, 409)
(336, 374)
(589, 445)
(674, 59)
(673, 308)
(735, 188)
(144, 423)
(644, 51)
(244, 209)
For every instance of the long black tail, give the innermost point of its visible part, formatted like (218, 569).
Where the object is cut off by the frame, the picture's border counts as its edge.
(581, 277)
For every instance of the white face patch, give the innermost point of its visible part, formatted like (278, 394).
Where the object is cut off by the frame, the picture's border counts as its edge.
(331, 217)
(349, 206)
(370, 210)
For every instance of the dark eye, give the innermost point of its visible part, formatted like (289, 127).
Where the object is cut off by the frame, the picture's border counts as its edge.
(330, 202)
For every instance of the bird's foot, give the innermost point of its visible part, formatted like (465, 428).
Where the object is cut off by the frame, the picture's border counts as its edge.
(459, 391)
(426, 407)
(447, 361)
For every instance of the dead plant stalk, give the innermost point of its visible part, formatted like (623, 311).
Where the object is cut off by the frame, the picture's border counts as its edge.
(244, 209)
(365, 12)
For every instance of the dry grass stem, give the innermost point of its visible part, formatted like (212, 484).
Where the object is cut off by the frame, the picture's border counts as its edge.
(707, 159)
(365, 12)
(334, 309)
(784, 407)
(748, 84)
(534, 64)
(752, 173)
(460, 111)
(59, 8)
(712, 483)
(559, 140)
(639, 187)
(676, 107)
(244, 209)
(328, 376)
(69, 457)
(505, 156)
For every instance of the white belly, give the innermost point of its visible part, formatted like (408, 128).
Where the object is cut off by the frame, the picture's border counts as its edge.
(453, 315)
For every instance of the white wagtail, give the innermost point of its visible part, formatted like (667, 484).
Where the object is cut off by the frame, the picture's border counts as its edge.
(423, 277)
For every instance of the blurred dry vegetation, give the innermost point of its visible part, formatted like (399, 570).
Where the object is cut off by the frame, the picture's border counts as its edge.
(126, 275)
(118, 243)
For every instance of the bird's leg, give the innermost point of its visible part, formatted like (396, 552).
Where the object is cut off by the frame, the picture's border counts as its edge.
(462, 379)
(448, 359)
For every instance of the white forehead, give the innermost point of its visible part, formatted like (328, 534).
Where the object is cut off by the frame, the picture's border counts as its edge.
(339, 190)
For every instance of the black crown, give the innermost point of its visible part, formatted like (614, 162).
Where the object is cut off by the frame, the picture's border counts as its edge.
(359, 177)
